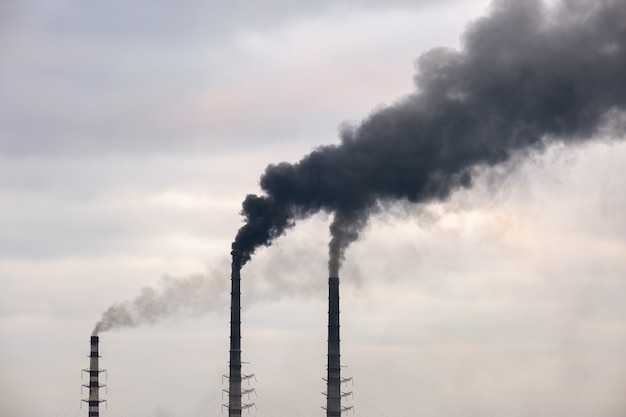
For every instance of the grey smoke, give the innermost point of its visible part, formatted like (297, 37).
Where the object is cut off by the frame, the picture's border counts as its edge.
(198, 294)
(188, 296)
(527, 76)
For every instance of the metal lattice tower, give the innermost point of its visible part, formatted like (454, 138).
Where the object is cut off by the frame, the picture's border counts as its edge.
(244, 391)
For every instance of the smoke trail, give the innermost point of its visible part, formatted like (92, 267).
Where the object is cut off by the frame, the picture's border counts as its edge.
(527, 76)
(175, 297)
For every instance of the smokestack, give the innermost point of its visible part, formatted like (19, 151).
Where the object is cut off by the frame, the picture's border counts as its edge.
(333, 376)
(94, 383)
(234, 377)
(333, 381)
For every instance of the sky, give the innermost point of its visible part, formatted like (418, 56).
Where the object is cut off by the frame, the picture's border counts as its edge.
(130, 133)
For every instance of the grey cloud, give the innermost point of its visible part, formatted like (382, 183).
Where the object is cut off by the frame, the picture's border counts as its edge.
(164, 21)
(81, 78)
(62, 207)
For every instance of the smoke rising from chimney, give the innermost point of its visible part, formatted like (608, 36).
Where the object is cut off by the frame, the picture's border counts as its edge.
(175, 297)
(528, 75)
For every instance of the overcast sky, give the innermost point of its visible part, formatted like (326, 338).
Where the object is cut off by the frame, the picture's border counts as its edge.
(130, 132)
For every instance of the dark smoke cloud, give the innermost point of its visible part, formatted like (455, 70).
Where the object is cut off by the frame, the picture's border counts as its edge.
(526, 76)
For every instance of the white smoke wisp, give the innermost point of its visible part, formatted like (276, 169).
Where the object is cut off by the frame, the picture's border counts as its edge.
(188, 296)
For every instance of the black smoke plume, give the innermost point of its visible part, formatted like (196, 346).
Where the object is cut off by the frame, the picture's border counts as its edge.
(527, 75)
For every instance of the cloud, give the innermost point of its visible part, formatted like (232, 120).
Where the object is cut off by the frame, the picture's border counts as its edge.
(90, 79)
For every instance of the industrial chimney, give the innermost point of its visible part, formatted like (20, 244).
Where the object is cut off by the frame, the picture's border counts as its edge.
(235, 377)
(234, 367)
(94, 382)
(333, 379)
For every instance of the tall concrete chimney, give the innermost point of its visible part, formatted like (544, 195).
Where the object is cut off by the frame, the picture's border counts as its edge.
(94, 379)
(234, 367)
(333, 381)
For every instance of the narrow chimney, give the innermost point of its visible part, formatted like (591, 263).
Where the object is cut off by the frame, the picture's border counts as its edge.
(333, 381)
(94, 382)
(234, 377)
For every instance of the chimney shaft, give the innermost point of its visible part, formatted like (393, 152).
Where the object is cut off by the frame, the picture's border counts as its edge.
(333, 381)
(94, 382)
(234, 380)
